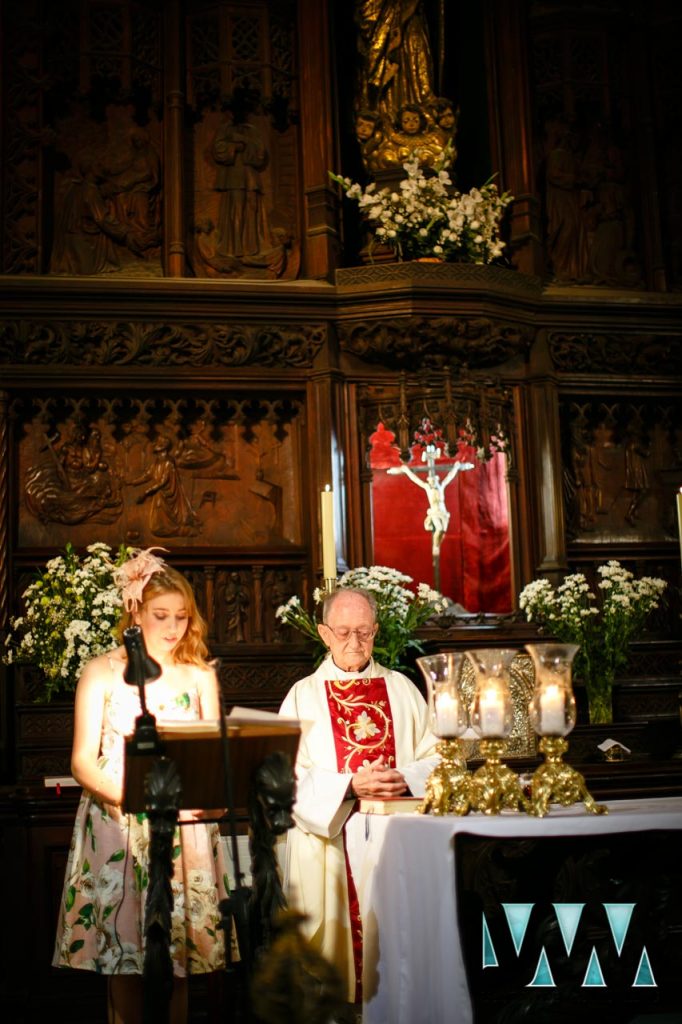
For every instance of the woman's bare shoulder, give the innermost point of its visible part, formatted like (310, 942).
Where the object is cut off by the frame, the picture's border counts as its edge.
(104, 663)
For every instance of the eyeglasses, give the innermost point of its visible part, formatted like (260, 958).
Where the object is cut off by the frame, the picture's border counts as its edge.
(343, 633)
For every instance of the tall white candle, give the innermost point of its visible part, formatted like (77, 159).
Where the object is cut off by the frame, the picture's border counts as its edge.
(491, 708)
(679, 518)
(328, 540)
(446, 707)
(552, 717)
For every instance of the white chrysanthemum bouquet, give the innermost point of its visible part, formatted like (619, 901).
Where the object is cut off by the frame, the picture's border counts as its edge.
(400, 611)
(428, 217)
(71, 613)
(603, 626)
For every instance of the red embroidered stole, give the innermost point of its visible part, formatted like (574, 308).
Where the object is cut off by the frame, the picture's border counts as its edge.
(362, 727)
(361, 720)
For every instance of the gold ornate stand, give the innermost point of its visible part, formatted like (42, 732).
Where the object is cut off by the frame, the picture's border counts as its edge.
(495, 786)
(448, 787)
(556, 782)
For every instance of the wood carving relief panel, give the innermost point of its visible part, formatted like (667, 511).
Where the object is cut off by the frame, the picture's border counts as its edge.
(241, 81)
(415, 342)
(622, 465)
(616, 353)
(586, 168)
(111, 343)
(218, 473)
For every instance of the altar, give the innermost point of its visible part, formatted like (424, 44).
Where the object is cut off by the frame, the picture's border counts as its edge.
(429, 938)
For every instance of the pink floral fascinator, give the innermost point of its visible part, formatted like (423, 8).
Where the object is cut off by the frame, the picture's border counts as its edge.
(134, 575)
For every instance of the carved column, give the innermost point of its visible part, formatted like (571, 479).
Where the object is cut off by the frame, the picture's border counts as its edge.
(173, 221)
(543, 445)
(511, 142)
(325, 445)
(4, 511)
(258, 630)
(209, 582)
(320, 241)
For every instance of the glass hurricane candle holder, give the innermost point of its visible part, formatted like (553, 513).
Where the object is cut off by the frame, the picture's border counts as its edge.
(552, 714)
(552, 706)
(448, 786)
(494, 786)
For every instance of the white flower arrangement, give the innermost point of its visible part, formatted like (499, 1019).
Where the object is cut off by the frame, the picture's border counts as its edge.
(428, 217)
(400, 611)
(71, 613)
(602, 627)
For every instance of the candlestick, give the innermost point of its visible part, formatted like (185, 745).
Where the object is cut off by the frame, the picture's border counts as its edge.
(328, 540)
(679, 518)
(552, 716)
(446, 707)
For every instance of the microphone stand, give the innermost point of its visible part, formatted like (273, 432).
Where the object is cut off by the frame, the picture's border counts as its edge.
(163, 794)
(235, 908)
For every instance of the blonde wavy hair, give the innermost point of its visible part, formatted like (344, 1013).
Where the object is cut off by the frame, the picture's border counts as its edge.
(191, 649)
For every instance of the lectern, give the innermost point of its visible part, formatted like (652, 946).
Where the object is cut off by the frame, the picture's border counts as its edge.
(244, 765)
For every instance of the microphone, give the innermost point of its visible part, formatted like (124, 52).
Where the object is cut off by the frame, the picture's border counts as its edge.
(141, 668)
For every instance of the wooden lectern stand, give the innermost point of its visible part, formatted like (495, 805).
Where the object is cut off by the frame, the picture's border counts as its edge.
(201, 765)
(196, 749)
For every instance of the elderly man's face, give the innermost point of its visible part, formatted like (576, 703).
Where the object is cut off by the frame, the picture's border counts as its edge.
(349, 632)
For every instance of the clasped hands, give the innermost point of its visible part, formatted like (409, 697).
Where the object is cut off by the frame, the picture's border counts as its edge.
(378, 781)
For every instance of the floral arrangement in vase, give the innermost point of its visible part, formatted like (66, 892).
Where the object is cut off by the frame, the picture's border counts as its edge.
(71, 614)
(400, 612)
(603, 627)
(428, 218)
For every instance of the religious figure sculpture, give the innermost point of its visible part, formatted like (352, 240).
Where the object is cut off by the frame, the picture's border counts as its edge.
(86, 229)
(240, 152)
(72, 481)
(437, 517)
(132, 183)
(398, 114)
(397, 67)
(171, 513)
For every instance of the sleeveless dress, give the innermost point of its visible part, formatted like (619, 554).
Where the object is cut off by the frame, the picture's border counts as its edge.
(101, 916)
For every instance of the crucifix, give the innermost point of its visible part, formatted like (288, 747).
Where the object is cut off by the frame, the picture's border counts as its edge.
(437, 517)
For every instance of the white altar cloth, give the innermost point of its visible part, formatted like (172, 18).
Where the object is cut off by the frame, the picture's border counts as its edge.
(404, 870)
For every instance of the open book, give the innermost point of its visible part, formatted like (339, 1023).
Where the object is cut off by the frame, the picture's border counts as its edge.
(196, 748)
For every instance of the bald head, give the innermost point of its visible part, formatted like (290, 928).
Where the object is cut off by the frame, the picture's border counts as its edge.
(349, 627)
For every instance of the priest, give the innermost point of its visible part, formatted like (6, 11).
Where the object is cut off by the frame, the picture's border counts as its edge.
(369, 739)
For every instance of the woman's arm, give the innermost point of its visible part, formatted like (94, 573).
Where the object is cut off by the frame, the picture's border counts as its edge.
(209, 694)
(87, 734)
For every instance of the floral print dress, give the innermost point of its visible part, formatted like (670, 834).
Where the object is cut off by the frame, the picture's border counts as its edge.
(101, 916)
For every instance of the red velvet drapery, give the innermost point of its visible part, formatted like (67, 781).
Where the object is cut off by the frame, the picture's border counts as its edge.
(474, 562)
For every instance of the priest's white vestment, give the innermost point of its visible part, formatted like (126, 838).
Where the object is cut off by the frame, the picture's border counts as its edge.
(315, 867)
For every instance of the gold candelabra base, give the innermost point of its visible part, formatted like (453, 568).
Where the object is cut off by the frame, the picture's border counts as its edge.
(448, 787)
(559, 783)
(494, 785)
(329, 585)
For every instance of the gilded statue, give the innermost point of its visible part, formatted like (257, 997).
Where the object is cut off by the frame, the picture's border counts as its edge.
(398, 114)
(397, 66)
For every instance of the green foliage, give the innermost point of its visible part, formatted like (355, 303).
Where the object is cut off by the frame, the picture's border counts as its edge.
(72, 610)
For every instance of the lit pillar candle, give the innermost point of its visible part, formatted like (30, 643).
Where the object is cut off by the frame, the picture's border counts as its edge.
(552, 717)
(328, 541)
(679, 518)
(491, 709)
(447, 714)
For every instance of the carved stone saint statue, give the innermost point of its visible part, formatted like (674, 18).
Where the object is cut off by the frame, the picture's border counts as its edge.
(437, 517)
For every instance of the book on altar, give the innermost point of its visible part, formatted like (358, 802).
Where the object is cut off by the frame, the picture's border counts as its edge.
(197, 749)
(394, 805)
